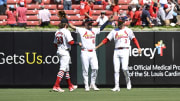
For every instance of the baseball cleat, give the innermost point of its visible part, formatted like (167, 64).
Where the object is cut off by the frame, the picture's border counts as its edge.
(129, 85)
(57, 89)
(73, 87)
(94, 87)
(116, 89)
(87, 88)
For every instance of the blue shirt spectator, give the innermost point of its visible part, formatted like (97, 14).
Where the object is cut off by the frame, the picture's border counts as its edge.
(146, 19)
(3, 4)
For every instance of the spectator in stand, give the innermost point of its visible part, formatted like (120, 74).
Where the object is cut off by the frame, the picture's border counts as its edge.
(11, 16)
(57, 2)
(102, 18)
(146, 18)
(22, 1)
(153, 13)
(130, 13)
(146, 2)
(3, 4)
(136, 21)
(162, 2)
(37, 2)
(44, 16)
(21, 15)
(115, 7)
(166, 13)
(77, 1)
(133, 4)
(67, 4)
(85, 9)
(91, 4)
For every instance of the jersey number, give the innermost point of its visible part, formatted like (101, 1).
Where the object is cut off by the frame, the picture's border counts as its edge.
(59, 40)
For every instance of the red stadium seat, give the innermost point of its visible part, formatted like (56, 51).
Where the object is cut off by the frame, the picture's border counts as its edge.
(3, 17)
(127, 23)
(32, 23)
(32, 12)
(46, 1)
(50, 6)
(94, 17)
(60, 7)
(72, 12)
(53, 11)
(77, 23)
(33, 6)
(125, 2)
(54, 18)
(54, 22)
(32, 18)
(28, 1)
(98, 7)
(116, 18)
(2, 23)
(123, 6)
(178, 1)
(75, 17)
(75, 6)
(12, 1)
(98, 12)
(123, 11)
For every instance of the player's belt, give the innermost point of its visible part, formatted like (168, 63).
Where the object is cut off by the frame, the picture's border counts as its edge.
(122, 48)
(89, 50)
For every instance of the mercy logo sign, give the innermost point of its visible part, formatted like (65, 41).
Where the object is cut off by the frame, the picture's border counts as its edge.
(149, 52)
(160, 46)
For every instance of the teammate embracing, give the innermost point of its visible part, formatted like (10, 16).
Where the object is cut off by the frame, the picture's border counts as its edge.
(88, 53)
(122, 36)
(63, 41)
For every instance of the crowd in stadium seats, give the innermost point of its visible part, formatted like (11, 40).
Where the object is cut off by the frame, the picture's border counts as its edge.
(44, 12)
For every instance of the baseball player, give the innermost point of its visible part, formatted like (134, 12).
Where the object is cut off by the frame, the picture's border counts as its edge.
(122, 36)
(88, 53)
(63, 41)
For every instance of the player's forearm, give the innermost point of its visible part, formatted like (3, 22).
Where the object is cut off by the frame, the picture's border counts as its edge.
(98, 46)
(72, 26)
(106, 40)
(136, 42)
(73, 43)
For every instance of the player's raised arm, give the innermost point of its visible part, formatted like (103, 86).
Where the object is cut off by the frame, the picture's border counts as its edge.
(106, 23)
(137, 45)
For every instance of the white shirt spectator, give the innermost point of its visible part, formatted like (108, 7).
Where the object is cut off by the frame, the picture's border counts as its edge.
(101, 20)
(44, 15)
(163, 1)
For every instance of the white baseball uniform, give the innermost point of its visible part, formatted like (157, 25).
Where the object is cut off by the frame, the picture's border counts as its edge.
(122, 40)
(88, 53)
(62, 37)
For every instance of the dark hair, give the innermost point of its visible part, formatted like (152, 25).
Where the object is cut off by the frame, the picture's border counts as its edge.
(129, 8)
(62, 14)
(62, 25)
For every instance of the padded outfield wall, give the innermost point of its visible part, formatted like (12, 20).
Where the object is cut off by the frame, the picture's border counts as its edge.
(29, 59)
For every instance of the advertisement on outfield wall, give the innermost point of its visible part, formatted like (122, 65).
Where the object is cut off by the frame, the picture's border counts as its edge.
(29, 58)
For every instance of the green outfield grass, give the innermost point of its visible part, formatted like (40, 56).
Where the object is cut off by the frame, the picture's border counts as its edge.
(136, 94)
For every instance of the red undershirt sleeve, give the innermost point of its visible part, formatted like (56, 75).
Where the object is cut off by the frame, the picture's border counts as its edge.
(136, 42)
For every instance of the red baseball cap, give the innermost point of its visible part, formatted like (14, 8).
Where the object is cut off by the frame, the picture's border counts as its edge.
(165, 6)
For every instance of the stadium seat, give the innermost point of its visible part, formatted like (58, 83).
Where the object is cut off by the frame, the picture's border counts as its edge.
(98, 12)
(3, 17)
(32, 18)
(127, 23)
(12, 1)
(124, 2)
(60, 7)
(54, 22)
(123, 11)
(54, 18)
(32, 23)
(32, 12)
(98, 7)
(29, 1)
(178, 1)
(75, 17)
(116, 18)
(53, 11)
(123, 7)
(33, 6)
(8, 5)
(94, 17)
(72, 12)
(77, 23)
(46, 1)
(52, 6)
(75, 6)
(2, 23)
